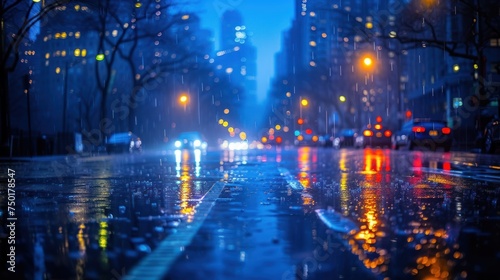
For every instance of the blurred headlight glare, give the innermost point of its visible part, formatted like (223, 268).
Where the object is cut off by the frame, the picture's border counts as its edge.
(177, 144)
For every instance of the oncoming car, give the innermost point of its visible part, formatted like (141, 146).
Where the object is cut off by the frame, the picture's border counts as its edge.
(191, 140)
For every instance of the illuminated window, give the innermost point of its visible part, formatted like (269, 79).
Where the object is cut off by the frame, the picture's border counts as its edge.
(84, 53)
(77, 52)
(58, 70)
(77, 34)
(312, 44)
(47, 55)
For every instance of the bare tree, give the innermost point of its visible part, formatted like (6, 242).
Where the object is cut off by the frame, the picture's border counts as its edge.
(17, 17)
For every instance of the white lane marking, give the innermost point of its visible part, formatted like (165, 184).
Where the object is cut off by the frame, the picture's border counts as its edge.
(294, 183)
(157, 264)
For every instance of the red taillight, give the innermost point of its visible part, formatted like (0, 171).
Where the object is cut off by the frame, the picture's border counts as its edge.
(446, 130)
(418, 129)
(387, 133)
(368, 133)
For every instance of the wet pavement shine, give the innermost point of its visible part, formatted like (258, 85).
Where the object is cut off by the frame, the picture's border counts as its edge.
(302, 213)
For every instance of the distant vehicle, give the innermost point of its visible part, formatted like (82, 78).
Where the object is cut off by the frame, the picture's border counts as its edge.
(327, 140)
(490, 130)
(190, 140)
(427, 133)
(491, 136)
(376, 135)
(123, 142)
(345, 138)
(307, 138)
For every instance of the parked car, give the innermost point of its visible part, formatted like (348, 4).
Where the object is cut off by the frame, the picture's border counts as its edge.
(427, 133)
(489, 126)
(123, 142)
(345, 138)
(190, 140)
(491, 136)
(375, 135)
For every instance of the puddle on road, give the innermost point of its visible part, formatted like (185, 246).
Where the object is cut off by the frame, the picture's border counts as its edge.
(84, 224)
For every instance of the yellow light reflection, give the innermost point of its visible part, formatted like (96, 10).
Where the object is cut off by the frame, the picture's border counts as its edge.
(103, 234)
(187, 207)
(81, 239)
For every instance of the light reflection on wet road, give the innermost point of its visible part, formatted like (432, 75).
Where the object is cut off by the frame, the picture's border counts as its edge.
(418, 215)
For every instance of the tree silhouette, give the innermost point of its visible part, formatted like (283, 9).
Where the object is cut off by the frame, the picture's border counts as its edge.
(17, 17)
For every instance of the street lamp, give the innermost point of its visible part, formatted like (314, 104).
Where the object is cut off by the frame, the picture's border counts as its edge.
(367, 61)
(303, 103)
(183, 99)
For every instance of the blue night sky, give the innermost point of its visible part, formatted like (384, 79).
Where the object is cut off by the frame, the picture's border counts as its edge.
(265, 19)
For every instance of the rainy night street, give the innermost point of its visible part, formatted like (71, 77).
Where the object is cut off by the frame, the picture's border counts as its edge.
(297, 213)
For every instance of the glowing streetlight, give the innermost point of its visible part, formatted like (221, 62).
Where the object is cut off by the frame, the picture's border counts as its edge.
(304, 102)
(367, 61)
(183, 99)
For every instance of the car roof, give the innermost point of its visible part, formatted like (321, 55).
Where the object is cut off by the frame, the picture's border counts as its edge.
(190, 134)
(428, 120)
(121, 137)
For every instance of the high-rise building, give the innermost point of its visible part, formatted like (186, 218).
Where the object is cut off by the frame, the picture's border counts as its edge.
(236, 60)
(323, 53)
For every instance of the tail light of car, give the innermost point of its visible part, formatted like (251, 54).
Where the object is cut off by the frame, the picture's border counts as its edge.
(446, 130)
(419, 129)
(368, 133)
(387, 133)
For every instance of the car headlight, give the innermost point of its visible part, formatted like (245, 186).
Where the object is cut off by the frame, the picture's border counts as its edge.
(197, 143)
(177, 144)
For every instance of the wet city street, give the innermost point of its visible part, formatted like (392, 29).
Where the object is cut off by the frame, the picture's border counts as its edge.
(298, 213)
